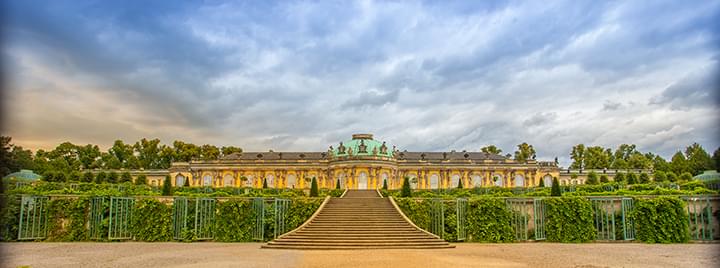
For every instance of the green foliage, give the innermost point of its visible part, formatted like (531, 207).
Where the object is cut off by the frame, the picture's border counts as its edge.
(555, 189)
(151, 221)
(619, 177)
(685, 176)
(167, 187)
(112, 177)
(337, 184)
(265, 185)
(592, 178)
(661, 220)
(101, 177)
(542, 183)
(672, 177)
(631, 178)
(385, 186)
(460, 184)
(313, 188)
(67, 218)
(141, 180)
(488, 220)
(569, 219)
(660, 176)
(88, 177)
(644, 178)
(406, 191)
(125, 177)
(604, 178)
(235, 221)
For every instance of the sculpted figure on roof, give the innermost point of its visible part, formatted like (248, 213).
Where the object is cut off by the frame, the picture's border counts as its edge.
(341, 148)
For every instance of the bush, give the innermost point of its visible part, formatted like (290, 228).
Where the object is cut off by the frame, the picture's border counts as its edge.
(671, 176)
(101, 177)
(151, 221)
(661, 220)
(235, 221)
(142, 180)
(385, 186)
(604, 178)
(313, 188)
(488, 220)
(685, 176)
(337, 184)
(167, 187)
(660, 176)
(88, 177)
(569, 219)
(542, 183)
(644, 178)
(406, 191)
(555, 190)
(112, 177)
(631, 178)
(265, 185)
(125, 177)
(66, 219)
(619, 177)
(592, 178)
(75, 176)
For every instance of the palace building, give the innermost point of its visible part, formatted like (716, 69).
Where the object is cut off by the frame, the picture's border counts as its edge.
(363, 163)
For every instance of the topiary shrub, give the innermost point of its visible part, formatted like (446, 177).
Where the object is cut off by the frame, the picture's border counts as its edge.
(101, 177)
(631, 178)
(112, 177)
(592, 178)
(88, 177)
(619, 177)
(671, 176)
(661, 220)
(151, 221)
(644, 178)
(406, 191)
(555, 190)
(313, 188)
(569, 219)
(142, 180)
(337, 184)
(265, 185)
(685, 176)
(385, 186)
(167, 186)
(604, 178)
(125, 177)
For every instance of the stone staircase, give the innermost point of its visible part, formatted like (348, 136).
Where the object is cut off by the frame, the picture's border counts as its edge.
(359, 220)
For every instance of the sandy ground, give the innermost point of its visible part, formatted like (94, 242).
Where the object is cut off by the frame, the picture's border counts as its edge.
(133, 254)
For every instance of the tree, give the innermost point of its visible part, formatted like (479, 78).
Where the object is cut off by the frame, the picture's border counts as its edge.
(101, 177)
(716, 159)
(265, 185)
(685, 176)
(406, 191)
(125, 177)
(619, 177)
(491, 149)
(555, 189)
(644, 178)
(660, 176)
(88, 176)
(313, 188)
(460, 184)
(148, 153)
(631, 178)
(578, 156)
(660, 164)
(385, 186)
(186, 182)
(228, 150)
(6, 160)
(671, 176)
(698, 160)
(141, 180)
(542, 183)
(167, 186)
(592, 178)
(337, 184)
(525, 152)
(604, 178)
(112, 177)
(597, 157)
(678, 163)
(209, 152)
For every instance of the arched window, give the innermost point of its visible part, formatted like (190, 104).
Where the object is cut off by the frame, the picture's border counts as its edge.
(291, 181)
(383, 180)
(414, 181)
(362, 180)
(434, 181)
(270, 181)
(519, 181)
(250, 180)
(341, 178)
(498, 180)
(179, 180)
(476, 180)
(454, 181)
(207, 180)
(547, 180)
(229, 180)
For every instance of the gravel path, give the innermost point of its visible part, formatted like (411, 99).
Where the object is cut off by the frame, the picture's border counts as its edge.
(134, 254)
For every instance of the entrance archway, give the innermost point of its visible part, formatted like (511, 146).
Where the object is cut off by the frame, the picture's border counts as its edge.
(547, 180)
(179, 180)
(383, 180)
(434, 181)
(519, 181)
(229, 180)
(476, 181)
(455, 181)
(290, 181)
(362, 181)
(207, 180)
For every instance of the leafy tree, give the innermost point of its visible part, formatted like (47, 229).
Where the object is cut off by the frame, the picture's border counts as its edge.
(122, 155)
(460, 184)
(141, 180)
(631, 178)
(112, 177)
(698, 160)
(385, 186)
(619, 177)
(88, 176)
(167, 186)
(542, 183)
(644, 178)
(228, 150)
(265, 185)
(49, 176)
(148, 153)
(555, 189)
(406, 191)
(592, 178)
(685, 176)
(209, 152)
(639, 161)
(678, 163)
(337, 184)
(525, 152)
(491, 149)
(660, 163)
(101, 177)
(125, 177)
(313, 188)
(187, 182)
(184, 152)
(603, 178)
(671, 176)
(7, 164)
(716, 159)
(660, 176)
(75, 176)
(597, 157)
(578, 156)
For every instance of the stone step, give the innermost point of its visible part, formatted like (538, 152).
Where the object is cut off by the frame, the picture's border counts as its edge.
(355, 243)
(360, 247)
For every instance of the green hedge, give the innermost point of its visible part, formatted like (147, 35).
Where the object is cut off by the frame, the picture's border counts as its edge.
(67, 218)
(569, 219)
(151, 221)
(488, 220)
(235, 221)
(661, 220)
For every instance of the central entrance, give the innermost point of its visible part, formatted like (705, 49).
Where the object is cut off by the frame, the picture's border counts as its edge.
(362, 181)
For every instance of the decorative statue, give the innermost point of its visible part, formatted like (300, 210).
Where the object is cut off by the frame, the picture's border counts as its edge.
(375, 151)
(349, 151)
(362, 148)
(383, 148)
(341, 148)
(330, 152)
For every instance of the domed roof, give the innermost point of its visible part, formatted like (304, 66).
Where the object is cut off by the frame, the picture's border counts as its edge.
(708, 175)
(24, 174)
(362, 145)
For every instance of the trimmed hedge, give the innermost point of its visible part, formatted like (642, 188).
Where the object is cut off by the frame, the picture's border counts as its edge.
(151, 221)
(569, 219)
(66, 219)
(488, 220)
(661, 220)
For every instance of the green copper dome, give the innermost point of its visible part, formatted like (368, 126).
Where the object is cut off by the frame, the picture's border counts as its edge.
(24, 174)
(362, 145)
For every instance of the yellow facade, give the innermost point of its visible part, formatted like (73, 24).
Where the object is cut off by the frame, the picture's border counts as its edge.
(363, 163)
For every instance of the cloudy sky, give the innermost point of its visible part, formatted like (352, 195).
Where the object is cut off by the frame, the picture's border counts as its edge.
(422, 75)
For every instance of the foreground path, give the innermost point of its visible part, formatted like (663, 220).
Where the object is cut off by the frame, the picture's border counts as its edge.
(359, 220)
(134, 254)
